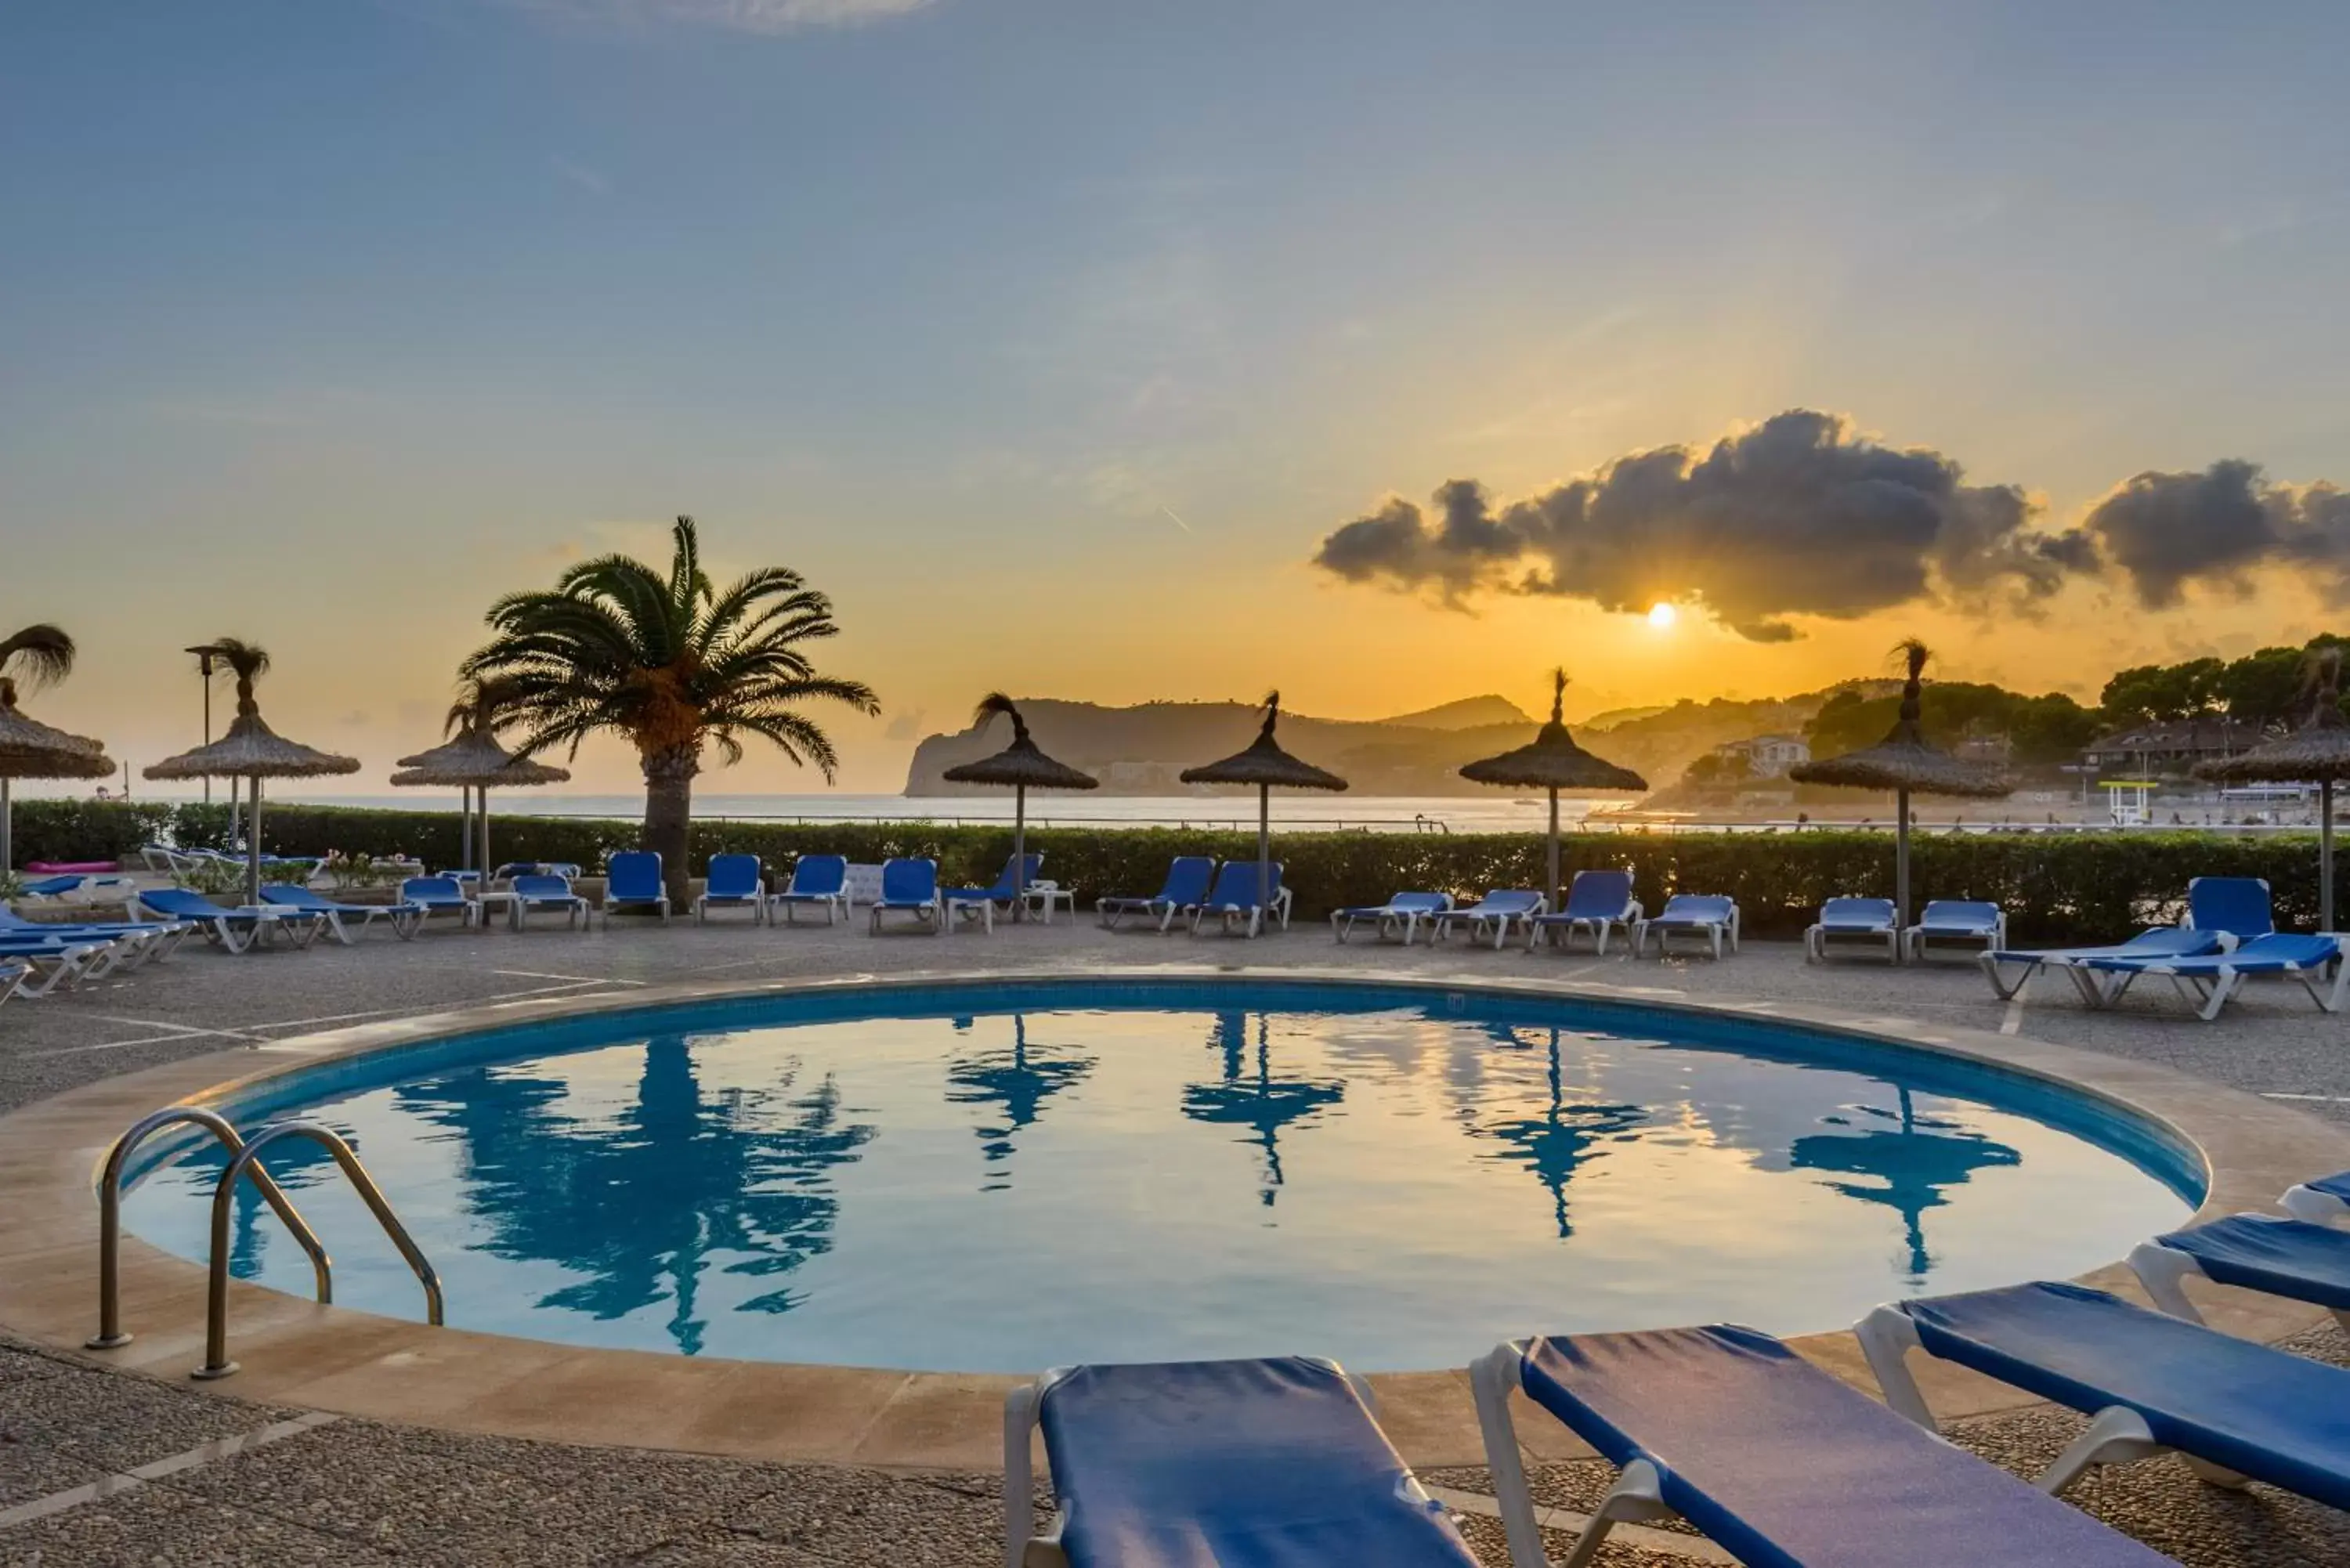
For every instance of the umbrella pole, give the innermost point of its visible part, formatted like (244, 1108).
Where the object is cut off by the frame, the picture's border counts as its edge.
(1264, 855)
(1901, 861)
(2325, 853)
(252, 848)
(464, 827)
(1554, 849)
(481, 815)
(1019, 850)
(7, 830)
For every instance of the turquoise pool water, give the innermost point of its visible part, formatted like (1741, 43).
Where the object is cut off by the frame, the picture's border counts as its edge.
(1010, 1176)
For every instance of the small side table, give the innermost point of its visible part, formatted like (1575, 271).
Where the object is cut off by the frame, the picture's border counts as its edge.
(1042, 896)
(504, 899)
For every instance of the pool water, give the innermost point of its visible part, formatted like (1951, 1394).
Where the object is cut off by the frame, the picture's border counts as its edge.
(1395, 1178)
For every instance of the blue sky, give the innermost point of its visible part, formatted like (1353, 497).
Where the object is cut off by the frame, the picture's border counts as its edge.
(1052, 339)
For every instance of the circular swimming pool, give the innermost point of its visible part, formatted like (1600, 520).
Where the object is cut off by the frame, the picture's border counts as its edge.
(1004, 1175)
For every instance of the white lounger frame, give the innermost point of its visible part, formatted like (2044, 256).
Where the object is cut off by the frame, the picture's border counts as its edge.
(1440, 925)
(1993, 941)
(2305, 1203)
(933, 914)
(1634, 1498)
(2209, 993)
(755, 901)
(1259, 916)
(1542, 923)
(1816, 940)
(2116, 1435)
(835, 903)
(1024, 1545)
(1343, 921)
(965, 905)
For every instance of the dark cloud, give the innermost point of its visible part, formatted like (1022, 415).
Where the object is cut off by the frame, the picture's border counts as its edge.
(2165, 531)
(1797, 517)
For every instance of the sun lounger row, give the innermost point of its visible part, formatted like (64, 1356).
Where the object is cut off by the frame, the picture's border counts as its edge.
(39, 957)
(1775, 1460)
(1199, 890)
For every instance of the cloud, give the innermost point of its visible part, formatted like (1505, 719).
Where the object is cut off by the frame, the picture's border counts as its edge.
(1798, 516)
(906, 726)
(767, 17)
(2166, 531)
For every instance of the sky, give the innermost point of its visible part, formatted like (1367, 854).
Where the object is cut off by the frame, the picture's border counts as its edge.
(1386, 353)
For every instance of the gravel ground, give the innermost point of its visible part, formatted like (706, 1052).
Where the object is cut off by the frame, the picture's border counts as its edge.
(354, 1492)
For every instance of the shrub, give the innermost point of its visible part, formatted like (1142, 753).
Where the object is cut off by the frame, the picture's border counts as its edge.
(2058, 886)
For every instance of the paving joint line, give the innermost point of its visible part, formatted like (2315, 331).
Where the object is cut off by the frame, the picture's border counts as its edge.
(114, 1483)
(1567, 1521)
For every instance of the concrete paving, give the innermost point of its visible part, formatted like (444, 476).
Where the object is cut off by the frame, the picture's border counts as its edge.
(353, 1492)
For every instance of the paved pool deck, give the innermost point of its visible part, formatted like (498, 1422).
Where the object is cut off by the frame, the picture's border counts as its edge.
(336, 1479)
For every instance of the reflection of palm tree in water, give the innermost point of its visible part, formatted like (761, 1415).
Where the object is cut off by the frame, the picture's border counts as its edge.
(1020, 1080)
(640, 1207)
(1915, 1163)
(1555, 1143)
(1265, 1103)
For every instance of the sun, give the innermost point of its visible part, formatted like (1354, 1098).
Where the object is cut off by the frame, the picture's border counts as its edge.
(1662, 615)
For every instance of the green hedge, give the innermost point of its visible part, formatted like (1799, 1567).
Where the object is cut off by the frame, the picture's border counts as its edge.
(2058, 886)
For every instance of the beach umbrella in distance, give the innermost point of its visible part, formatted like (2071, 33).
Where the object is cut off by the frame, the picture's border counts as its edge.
(1906, 764)
(2318, 753)
(1552, 761)
(28, 748)
(1022, 766)
(474, 760)
(1269, 768)
(251, 751)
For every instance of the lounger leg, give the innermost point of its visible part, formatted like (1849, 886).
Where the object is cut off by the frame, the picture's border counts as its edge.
(1636, 1496)
(2221, 991)
(2164, 1273)
(1490, 1378)
(1887, 1337)
(2306, 1203)
(2118, 1436)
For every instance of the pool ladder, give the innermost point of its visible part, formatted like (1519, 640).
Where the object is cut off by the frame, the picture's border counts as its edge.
(244, 1158)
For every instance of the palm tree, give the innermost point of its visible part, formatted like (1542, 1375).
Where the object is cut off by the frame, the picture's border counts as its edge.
(671, 662)
(40, 654)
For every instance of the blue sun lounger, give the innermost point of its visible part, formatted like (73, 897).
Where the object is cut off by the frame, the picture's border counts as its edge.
(1775, 1460)
(632, 880)
(910, 886)
(980, 902)
(1854, 919)
(1491, 915)
(2321, 1200)
(1215, 1464)
(735, 882)
(433, 896)
(819, 880)
(233, 930)
(1708, 915)
(13, 974)
(1233, 900)
(1598, 902)
(2294, 1259)
(1186, 888)
(2011, 971)
(2236, 907)
(534, 891)
(2150, 1381)
(1402, 911)
(60, 963)
(2211, 982)
(148, 939)
(402, 916)
(1957, 921)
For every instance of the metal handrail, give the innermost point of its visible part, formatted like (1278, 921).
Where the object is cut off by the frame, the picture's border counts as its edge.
(109, 1335)
(217, 1360)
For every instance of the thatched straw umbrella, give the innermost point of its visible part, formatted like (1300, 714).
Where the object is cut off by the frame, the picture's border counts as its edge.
(251, 751)
(2318, 753)
(1553, 762)
(1024, 766)
(1905, 763)
(473, 761)
(29, 749)
(1268, 767)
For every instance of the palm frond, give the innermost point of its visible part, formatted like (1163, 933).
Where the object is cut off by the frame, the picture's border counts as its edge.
(37, 655)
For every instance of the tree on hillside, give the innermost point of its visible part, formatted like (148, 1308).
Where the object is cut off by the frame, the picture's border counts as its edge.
(2048, 729)
(2162, 693)
(671, 662)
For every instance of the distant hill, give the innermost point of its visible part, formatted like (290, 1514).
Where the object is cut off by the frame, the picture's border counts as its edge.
(1141, 750)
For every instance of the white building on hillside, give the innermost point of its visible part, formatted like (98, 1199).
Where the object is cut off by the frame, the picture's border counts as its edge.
(1766, 756)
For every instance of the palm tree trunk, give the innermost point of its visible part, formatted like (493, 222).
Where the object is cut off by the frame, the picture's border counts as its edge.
(669, 815)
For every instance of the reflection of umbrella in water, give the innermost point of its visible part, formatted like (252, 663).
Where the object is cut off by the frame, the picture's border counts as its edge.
(1264, 1103)
(1020, 1080)
(640, 1206)
(1555, 1143)
(1915, 1163)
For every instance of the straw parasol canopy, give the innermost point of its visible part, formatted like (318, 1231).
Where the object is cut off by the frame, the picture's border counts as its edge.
(474, 760)
(1022, 766)
(251, 751)
(1906, 764)
(1265, 765)
(28, 748)
(2317, 751)
(1553, 762)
